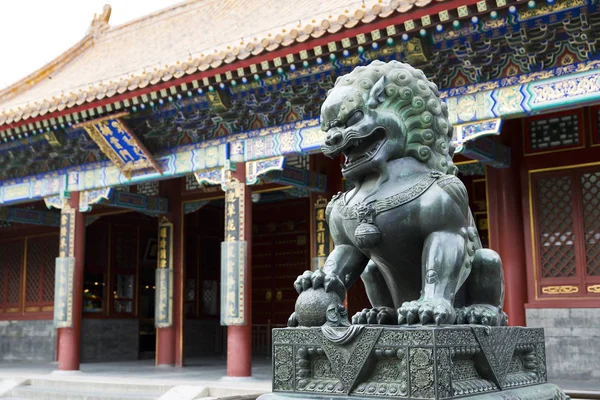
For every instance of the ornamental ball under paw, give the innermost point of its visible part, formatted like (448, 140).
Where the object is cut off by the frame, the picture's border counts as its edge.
(311, 306)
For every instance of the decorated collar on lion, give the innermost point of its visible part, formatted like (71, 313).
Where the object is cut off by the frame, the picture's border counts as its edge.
(383, 112)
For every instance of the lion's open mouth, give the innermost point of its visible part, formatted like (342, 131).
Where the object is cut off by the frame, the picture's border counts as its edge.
(360, 150)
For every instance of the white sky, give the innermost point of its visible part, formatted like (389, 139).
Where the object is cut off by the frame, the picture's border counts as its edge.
(34, 32)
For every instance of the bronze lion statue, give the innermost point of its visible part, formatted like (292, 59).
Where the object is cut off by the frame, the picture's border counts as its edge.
(406, 228)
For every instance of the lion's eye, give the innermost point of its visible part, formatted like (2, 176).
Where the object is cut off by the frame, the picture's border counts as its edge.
(333, 124)
(355, 118)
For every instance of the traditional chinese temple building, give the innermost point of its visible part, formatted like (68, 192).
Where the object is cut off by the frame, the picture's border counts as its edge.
(127, 161)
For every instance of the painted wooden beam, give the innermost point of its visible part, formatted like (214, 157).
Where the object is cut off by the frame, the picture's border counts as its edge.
(137, 202)
(300, 178)
(31, 217)
(115, 198)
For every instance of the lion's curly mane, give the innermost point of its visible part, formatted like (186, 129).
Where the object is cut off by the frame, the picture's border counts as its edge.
(416, 101)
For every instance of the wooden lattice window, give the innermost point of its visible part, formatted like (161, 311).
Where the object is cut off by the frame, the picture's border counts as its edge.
(11, 267)
(148, 188)
(555, 226)
(590, 197)
(39, 281)
(560, 131)
(567, 231)
(191, 183)
(298, 161)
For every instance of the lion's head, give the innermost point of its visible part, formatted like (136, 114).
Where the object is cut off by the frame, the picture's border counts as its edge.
(386, 111)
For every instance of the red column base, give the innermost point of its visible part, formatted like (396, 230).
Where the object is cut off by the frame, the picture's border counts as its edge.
(165, 346)
(68, 349)
(239, 351)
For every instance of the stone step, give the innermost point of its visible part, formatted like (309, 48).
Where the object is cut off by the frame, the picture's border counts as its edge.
(47, 393)
(8, 384)
(100, 386)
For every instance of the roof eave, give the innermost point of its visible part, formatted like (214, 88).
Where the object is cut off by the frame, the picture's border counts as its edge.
(47, 70)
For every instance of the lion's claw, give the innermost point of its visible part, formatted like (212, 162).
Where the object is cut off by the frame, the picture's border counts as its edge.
(319, 279)
(412, 318)
(292, 321)
(373, 316)
(334, 284)
(426, 314)
(481, 314)
(426, 311)
(401, 319)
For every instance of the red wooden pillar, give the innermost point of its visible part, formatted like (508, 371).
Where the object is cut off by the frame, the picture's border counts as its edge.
(506, 236)
(169, 341)
(239, 337)
(69, 339)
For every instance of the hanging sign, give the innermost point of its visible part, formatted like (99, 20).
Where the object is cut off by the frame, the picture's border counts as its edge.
(322, 239)
(67, 231)
(233, 256)
(163, 301)
(64, 276)
(233, 279)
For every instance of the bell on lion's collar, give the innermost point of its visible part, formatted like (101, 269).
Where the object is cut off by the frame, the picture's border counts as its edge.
(366, 233)
(367, 236)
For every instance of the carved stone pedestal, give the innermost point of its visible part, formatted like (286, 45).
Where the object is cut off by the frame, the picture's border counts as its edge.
(410, 362)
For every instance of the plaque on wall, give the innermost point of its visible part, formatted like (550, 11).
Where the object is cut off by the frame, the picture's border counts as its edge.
(63, 292)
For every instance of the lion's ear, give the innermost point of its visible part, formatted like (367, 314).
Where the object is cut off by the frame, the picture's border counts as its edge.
(377, 94)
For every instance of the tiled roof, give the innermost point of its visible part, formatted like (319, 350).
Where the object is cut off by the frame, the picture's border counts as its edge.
(183, 39)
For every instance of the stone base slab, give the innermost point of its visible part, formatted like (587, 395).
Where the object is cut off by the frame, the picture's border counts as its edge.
(544, 391)
(411, 362)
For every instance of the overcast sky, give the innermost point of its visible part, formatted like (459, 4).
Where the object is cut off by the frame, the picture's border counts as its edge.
(34, 32)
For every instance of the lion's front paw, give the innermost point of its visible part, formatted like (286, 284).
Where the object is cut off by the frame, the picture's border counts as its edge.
(378, 315)
(318, 279)
(426, 311)
(481, 314)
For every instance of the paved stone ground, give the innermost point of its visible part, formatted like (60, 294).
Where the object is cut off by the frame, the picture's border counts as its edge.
(197, 371)
(139, 375)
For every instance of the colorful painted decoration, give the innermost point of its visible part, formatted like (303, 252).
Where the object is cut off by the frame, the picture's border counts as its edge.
(87, 198)
(254, 169)
(472, 131)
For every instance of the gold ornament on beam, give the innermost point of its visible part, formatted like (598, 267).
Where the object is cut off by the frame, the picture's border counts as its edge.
(564, 289)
